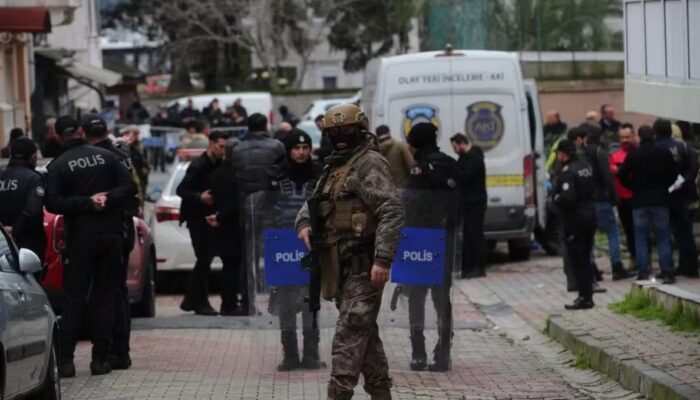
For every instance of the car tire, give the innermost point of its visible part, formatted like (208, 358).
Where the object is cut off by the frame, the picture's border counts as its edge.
(519, 249)
(146, 307)
(51, 388)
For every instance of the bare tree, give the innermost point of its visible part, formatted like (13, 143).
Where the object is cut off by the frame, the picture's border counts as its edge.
(269, 29)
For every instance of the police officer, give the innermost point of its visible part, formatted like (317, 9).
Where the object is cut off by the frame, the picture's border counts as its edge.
(90, 187)
(95, 129)
(431, 187)
(22, 197)
(287, 301)
(356, 234)
(573, 195)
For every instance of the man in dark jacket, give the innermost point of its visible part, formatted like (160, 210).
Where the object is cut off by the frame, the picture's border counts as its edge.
(574, 195)
(22, 198)
(198, 204)
(257, 161)
(605, 197)
(226, 236)
(649, 171)
(431, 202)
(680, 215)
(471, 171)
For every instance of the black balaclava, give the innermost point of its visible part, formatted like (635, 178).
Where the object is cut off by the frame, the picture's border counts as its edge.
(352, 139)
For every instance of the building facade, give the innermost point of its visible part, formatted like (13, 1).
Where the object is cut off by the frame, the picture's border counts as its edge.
(662, 58)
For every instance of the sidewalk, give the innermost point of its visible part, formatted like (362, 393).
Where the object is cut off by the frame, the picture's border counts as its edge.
(536, 291)
(238, 362)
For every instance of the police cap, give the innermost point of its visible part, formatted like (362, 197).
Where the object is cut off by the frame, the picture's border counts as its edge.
(66, 125)
(22, 148)
(93, 125)
(568, 147)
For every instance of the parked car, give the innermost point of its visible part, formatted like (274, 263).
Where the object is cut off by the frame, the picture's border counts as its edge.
(140, 278)
(28, 327)
(142, 262)
(175, 251)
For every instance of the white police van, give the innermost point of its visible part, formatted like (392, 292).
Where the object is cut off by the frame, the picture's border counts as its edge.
(483, 95)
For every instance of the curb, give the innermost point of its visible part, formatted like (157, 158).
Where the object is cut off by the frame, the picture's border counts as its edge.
(628, 370)
(669, 296)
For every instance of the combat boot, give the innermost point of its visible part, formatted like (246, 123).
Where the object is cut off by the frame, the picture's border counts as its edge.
(441, 362)
(311, 359)
(335, 393)
(419, 358)
(291, 352)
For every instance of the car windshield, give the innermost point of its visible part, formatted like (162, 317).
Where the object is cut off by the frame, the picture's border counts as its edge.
(177, 178)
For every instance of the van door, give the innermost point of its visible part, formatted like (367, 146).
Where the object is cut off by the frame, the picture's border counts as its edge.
(537, 140)
(415, 93)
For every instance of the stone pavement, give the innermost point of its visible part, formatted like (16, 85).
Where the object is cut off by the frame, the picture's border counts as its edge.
(230, 358)
(536, 290)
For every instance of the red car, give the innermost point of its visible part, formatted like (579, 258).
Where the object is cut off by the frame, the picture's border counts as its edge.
(140, 280)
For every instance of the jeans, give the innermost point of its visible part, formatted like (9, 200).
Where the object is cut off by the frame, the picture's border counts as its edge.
(659, 218)
(605, 221)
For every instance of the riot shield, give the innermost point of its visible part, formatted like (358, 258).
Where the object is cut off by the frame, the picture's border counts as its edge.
(416, 303)
(277, 282)
(420, 292)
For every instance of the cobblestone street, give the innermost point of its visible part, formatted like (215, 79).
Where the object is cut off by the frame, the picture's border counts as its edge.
(178, 356)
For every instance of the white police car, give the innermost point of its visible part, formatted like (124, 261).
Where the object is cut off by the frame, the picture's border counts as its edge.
(28, 327)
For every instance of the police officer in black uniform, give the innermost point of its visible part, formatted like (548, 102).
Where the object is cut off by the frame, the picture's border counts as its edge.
(573, 195)
(430, 190)
(90, 187)
(22, 197)
(95, 129)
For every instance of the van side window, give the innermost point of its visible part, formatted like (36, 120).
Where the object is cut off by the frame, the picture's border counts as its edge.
(531, 120)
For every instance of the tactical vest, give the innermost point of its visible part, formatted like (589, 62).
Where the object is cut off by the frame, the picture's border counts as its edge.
(346, 218)
(348, 215)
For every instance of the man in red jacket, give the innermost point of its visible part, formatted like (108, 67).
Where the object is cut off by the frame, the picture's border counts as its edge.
(624, 208)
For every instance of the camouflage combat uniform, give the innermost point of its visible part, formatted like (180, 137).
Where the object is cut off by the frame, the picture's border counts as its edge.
(357, 348)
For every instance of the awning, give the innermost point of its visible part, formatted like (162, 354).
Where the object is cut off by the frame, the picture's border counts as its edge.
(79, 70)
(25, 19)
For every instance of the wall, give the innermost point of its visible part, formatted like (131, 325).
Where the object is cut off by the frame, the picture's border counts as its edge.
(573, 103)
(81, 36)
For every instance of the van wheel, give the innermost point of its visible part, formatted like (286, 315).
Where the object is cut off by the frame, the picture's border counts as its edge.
(146, 307)
(51, 388)
(519, 249)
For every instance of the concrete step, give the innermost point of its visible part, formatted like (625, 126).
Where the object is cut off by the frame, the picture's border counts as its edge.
(671, 296)
(630, 371)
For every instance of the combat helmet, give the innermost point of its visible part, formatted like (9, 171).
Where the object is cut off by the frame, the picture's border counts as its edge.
(344, 115)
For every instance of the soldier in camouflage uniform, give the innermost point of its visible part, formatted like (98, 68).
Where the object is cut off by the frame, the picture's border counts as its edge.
(362, 216)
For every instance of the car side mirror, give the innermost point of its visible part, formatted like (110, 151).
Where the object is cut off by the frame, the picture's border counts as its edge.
(29, 262)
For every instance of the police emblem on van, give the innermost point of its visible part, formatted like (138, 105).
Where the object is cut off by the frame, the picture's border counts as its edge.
(484, 125)
(418, 113)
